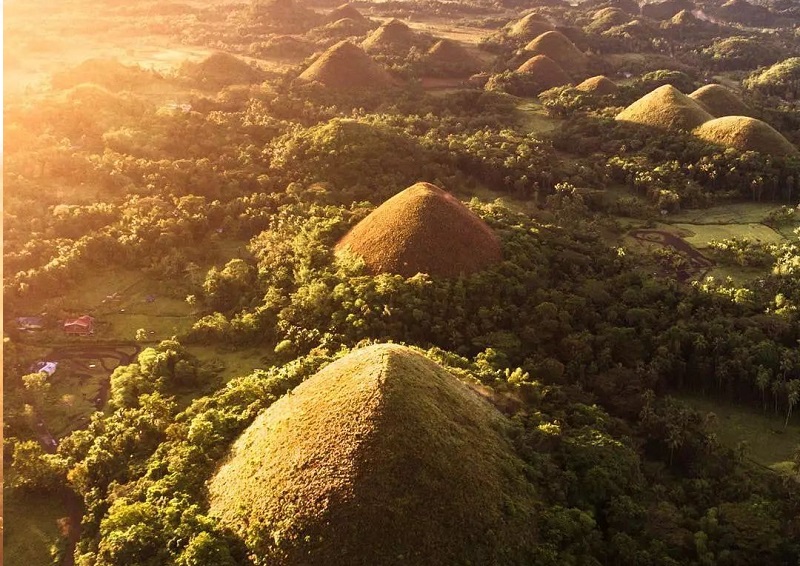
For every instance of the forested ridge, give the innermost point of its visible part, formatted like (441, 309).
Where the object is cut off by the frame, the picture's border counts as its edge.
(222, 212)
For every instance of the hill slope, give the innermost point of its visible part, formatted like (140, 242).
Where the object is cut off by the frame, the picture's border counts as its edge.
(383, 457)
(665, 108)
(422, 229)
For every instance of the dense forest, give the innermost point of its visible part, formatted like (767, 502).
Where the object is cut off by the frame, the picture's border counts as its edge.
(580, 221)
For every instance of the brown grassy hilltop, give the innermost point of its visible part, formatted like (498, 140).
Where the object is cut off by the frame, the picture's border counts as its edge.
(560, 49)
(451, 58)
(383, 457)
(745, 134)
(719, 101)
(220, 69)
(544, 71)
(665, 108)
(529, 27)
(607, 18)
(345, 11)
(393, 36)
(422, 229)
(598, 85)
(345, 66)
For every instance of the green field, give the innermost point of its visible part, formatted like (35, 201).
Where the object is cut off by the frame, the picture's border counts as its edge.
(769, 443)
(30, 528)
(702, 234)
(535, 119)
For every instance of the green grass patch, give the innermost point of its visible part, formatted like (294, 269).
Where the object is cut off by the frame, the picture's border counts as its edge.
(769, 443)
(30, 528)
(123, 326)
(535, 119)
(733, 213)
(88, 295)
(234, 363)
(701, 234)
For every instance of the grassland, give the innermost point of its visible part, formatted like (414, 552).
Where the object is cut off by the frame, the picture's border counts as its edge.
(699, 235)
(768, 442)
(534, 118)
(30, 528)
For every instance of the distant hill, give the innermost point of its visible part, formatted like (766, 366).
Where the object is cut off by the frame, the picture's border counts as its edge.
(345, 66)
(423, 229)
(665, 108)
(746, 134)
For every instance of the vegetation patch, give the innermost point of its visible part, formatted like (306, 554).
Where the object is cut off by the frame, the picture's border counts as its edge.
(699, 235)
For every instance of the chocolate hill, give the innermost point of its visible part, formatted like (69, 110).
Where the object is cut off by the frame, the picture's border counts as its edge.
(345, 66)
(529, 27)
(422, 229)
(746, 134)
(394, 36)
(665, 108)
(382, 457)
(451, 58)
(666, 9)
(545, 72)
(345, 11)
(221, 69)
(719, 101)
(560, 49)
(598, 85)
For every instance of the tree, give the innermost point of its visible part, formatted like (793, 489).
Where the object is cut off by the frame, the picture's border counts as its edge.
(34, 470)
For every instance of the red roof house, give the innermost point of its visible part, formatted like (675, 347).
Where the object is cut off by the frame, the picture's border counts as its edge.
(82, 326)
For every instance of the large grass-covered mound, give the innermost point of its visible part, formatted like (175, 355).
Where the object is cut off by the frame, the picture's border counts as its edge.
(529, 27)
(345, 11)
(719, 101)
(666, 9)
(745, 134)
(221, 69)
(422, 229)
(545, 72)
(345, 66)
(665, 108)
(560, 49)
(383, 457)
(393, 37)
(600, 85)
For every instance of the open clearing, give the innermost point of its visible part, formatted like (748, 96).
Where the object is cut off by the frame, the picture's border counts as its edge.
(701, 234)
(30, 528)
(768, 442)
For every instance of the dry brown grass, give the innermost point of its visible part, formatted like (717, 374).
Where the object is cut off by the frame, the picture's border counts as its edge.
(394, 36)
(560, 49)
(422, 229)
(544, 71)
(448, 53)
(719, 101)
(345, 11)
(221, 69)
(665, 108)
(383, 457)
(745, 134)
(529, 27)
(607, 18)
(600, 85)
(345, 66)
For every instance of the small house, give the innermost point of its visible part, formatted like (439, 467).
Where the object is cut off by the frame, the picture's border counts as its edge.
(82, 326)
(46, 367)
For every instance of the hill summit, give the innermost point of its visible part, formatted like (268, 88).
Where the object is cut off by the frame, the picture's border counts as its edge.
(422, 229)
(560, 49)
(746, 134)
(382, 457)
(665, 108)
(345, 66)
(719, 101)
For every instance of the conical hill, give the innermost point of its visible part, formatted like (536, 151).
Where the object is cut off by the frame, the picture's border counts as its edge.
(383, 457)
(719, 101)
(560, 49)
(422, 229)
(345, 66)
(746, 134)
(665, 108)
